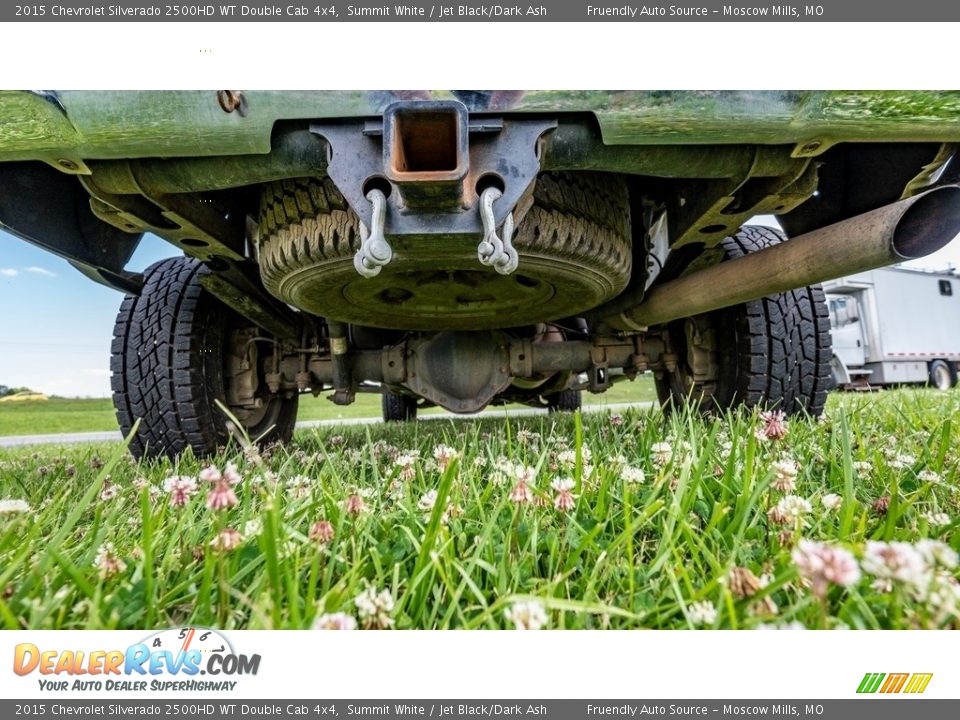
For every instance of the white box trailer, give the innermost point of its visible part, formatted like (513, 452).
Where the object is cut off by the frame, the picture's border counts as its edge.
(895, 325)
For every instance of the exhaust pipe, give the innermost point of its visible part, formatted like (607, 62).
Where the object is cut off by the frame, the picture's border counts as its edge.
(905, 230)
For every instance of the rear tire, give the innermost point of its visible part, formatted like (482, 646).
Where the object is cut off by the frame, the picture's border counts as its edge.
(168, 367)
(398, 408)
(942, 375)
(772, 353)
(565, 401)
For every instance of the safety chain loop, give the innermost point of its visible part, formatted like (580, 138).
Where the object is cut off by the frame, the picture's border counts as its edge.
(492, 251)
(375, 251)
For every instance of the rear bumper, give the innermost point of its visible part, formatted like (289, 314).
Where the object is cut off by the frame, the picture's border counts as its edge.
(88, 125)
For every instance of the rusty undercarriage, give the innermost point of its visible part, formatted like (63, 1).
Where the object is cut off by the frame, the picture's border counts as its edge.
(465, 248)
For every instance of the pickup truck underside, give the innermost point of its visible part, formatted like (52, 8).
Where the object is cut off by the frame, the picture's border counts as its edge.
(471, 247)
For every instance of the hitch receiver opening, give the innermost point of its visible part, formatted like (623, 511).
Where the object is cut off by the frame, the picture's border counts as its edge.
(425, 143)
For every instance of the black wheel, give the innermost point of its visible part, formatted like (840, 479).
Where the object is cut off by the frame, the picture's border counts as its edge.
(573, 243)
(773, 353)
(942, 375)
(171, 349)
(565, 401)
(398, 408)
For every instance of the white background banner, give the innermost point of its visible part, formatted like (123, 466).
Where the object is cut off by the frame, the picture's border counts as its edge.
(560, 665)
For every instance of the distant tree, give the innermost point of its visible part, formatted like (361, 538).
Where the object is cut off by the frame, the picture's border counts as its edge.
(6, 390)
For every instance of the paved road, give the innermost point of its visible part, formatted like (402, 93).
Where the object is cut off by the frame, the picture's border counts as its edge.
(114, 435)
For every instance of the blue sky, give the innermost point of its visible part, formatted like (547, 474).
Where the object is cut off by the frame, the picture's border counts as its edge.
(56, 325)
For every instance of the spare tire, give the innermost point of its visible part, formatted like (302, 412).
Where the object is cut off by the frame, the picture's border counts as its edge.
(573, 243)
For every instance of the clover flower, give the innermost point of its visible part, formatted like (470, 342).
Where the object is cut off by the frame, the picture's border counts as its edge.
(632, 475)
(407, 462)
(822, 564)
(521, 493)
(374, 608)
(227, 539)
(785, 475)
(526, 615)
(774, 425)
(794, 507)
(831, 501)
(108, 562)
(937, 519)
(335, 621)
(661, 452)
(13, 507)
(444, 455)
(180, 488)
(564, 501)
(702, 613)
(894, 562)
(222, 496)
(354, 504)
(427, 501)
(321, 532)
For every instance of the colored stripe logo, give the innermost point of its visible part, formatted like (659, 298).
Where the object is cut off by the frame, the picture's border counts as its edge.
(913, 683)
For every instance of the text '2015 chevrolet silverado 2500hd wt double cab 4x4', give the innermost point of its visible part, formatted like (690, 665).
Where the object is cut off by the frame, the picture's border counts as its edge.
(463, 248)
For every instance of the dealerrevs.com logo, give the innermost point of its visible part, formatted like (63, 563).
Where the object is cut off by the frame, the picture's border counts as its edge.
(170, 660)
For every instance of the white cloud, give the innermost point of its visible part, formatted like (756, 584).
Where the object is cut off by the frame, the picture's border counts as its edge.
(8, 272)
(40, 271)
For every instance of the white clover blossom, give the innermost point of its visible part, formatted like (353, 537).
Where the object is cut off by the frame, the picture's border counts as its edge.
(702, 613)
(10, 506)
(661, 452)
(900, 461)
(335, 621)
(792, 625)
(526, 615)
(831, 501)
(427, 501)
(407, 462)
(527, 437)
(444, 455)
(929, 476)
(108, 562)
(567, 459)
(180, 488)
(822, 564)
(374, 608)
(794, 507)
(632, 475)
(937, 519)
(937, 553)
(894, 562)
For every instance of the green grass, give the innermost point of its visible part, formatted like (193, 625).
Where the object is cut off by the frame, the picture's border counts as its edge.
(66, 415)
(56, 415)
(656, 553)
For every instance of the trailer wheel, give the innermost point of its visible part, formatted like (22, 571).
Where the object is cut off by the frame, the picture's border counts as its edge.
(397, 407)
(565, 401)
(772, 353)
(171, 346)
(942, 375)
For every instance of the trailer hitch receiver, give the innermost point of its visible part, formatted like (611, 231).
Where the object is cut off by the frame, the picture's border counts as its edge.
(425, 152)
(433, 161)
